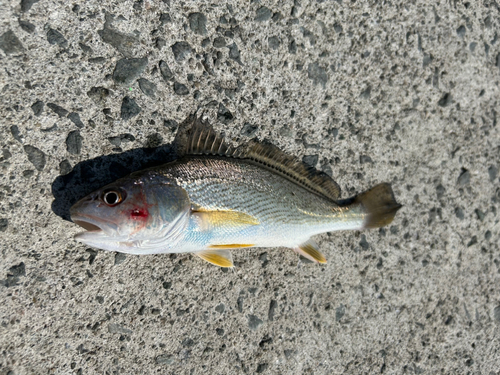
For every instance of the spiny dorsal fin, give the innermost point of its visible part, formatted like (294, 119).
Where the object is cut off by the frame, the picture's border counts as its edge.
(196, 137)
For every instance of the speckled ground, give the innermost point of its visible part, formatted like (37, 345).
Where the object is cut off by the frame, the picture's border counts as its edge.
(403, 92)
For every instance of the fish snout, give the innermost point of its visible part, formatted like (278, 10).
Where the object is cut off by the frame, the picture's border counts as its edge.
(90, 198)
(83, 204)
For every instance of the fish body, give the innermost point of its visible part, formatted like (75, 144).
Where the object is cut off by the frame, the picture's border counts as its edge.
(216, 197)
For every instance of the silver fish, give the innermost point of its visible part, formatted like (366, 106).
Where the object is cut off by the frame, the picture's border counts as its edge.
(216, 197)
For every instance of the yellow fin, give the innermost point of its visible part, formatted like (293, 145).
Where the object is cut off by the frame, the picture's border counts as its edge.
(221, 258)
(217, 219)
(309, 250)
(230, 246)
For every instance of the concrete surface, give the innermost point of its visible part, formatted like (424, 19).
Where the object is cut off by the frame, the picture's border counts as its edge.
(404, 92)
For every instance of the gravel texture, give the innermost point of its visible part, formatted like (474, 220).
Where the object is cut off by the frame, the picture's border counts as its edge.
(403, 92)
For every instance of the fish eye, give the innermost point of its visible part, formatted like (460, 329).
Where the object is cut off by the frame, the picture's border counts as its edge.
(112, 197)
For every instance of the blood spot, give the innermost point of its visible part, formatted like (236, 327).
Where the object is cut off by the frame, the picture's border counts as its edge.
(139, 214)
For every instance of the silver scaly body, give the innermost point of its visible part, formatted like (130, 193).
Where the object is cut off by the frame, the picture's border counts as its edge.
(288, 214)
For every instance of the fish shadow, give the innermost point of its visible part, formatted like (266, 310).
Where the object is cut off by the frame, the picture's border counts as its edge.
(92, 174)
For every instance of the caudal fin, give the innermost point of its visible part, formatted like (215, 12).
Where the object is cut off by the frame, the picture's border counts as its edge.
(378, 204)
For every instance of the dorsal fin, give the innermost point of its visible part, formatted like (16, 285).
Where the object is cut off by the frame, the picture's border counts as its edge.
(271, 157)
(196, 137)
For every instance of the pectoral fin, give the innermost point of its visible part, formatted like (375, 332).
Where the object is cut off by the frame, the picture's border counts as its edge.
(309, 250)
(217, 219)
(221, 258)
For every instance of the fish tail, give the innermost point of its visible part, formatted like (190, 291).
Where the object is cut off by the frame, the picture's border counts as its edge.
(377, 205)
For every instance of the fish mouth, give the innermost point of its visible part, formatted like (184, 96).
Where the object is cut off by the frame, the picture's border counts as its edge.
(98, 231)
(88, 226)
(94, 229)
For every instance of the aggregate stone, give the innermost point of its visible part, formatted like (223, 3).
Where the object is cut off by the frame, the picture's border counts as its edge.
(37, 107)
(317, 74)
(311, 160)
(58, 110)
(464, 178)
(461, 31)
(27, 26)
(124, 43)
(274, 42)
(445, 100)
(129, 108)
(99, 94)
(14, 273)
(272, 310)
(127, 70)
(339, 312)
(198, 23)
(223, 114)
(6, 154)
(261, 368)
(120, 258)
(165, 359)
(74, 142)
(234, 52)
(10, 44)
(219, 42)
(181, 50)
(160, 43)
(171, 124)
(492, 172)
(64, 167)
(180, 89)
(35, 156)
(165, 71)
(14, 130)
(263, 14)
(55, 37)
(117, 328)
(117, 141)
(496, 314)
(4, 223)
(27, 4)
(147, 87)
(75, 119)
(85, 48)
(249, 130)
(165, 18)
(254, 322)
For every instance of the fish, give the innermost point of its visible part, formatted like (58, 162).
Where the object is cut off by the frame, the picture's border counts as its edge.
(217, 197)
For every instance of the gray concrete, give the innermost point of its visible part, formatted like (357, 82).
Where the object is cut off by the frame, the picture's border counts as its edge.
(389, 91)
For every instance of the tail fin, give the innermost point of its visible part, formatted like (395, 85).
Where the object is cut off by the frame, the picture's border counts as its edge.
(378, 204)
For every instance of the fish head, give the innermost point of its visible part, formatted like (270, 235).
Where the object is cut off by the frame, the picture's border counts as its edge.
(131, 212)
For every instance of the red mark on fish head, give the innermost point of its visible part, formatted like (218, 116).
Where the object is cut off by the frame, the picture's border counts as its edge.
(139, 214)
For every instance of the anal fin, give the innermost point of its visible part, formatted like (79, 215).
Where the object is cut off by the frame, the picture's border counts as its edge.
(309, 250)
(221, 258)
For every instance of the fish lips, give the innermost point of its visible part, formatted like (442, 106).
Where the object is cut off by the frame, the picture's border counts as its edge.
(96, 229)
